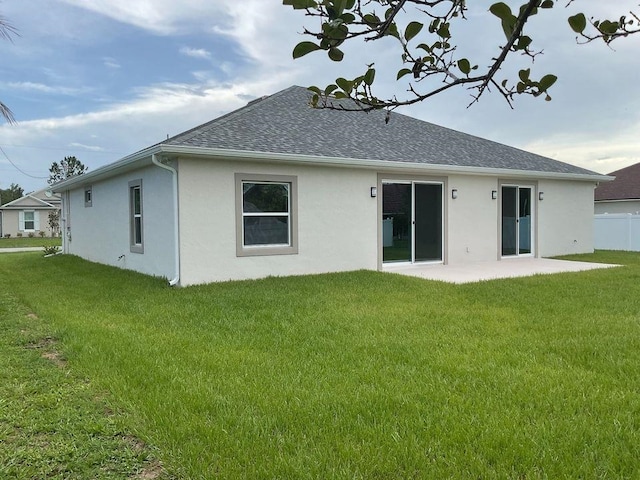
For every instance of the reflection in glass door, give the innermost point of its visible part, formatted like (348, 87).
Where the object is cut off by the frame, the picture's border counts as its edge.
(411, 222)
(517, 225)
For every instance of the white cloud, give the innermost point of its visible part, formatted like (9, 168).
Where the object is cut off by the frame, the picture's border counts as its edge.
(92, 148)
(122, 128)
(600, 153)
(165, 17)
(196, 53)
(42, 88)
(110, 62)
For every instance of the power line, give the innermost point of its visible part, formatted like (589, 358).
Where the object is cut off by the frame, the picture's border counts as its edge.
(85, 150)
(18, 168)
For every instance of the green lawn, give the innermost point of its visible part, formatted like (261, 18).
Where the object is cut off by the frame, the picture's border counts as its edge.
(360, 375)
(53, 423)
(38, 241)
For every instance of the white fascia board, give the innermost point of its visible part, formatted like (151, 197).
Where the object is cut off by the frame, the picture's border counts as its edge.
(143, 158)
(130, 162)
(380, 165)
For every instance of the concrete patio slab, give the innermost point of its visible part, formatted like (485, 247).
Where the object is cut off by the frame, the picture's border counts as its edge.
(506, 268)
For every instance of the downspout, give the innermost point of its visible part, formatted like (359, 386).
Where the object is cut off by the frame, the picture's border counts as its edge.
(176, 231)
(65, 213)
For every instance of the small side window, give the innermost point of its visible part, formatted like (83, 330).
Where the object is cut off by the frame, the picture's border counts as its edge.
(135, 217)
(88, 196)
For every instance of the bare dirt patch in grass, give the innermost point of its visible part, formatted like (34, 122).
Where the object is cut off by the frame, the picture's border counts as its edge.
(47, 344)
(56, 358)
(153, 471)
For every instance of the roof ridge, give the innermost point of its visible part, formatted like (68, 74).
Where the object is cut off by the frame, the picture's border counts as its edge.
(251, 105)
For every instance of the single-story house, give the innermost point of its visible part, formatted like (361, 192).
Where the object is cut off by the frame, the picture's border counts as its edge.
(29, 214)
(280, 188)
(622, 195)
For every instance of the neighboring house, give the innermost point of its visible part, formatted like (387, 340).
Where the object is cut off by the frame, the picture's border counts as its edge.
(621, 195)
(29, 214)
(279, 188)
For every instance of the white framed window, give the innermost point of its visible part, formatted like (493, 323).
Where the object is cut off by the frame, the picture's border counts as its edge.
(29, 220)
(266, 215)
(136, 224)
(88, 196)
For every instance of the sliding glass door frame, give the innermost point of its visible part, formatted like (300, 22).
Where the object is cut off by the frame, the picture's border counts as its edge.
(414, 185)
(521, 230)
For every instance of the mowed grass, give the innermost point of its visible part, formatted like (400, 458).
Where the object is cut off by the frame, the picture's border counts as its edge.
(22, 242)
(359, 375)
(54, 424)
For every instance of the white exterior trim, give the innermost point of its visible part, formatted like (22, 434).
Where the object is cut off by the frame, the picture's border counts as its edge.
(144, 157)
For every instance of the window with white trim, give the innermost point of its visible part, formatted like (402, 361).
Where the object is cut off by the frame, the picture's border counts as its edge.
(135, 217)
(266, 215)
(28, 220)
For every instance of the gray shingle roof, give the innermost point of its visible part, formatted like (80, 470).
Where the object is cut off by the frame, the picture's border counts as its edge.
(285, 123)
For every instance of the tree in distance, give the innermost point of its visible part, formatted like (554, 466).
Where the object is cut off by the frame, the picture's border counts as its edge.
(66, 168)
(10, 194)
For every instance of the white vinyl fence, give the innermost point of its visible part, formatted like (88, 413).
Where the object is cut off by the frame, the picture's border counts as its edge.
(617, 231)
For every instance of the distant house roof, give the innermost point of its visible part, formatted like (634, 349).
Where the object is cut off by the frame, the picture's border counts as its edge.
(626, 186)
(40, 199)
(284, 127)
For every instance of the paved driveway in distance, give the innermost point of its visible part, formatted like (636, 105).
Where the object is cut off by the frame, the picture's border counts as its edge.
(21, 249)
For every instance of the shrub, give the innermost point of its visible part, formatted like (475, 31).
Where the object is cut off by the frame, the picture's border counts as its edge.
(19, 234)
(7, 235)
(41, 233)
(50, 249)
(54, 222)
(31, 234)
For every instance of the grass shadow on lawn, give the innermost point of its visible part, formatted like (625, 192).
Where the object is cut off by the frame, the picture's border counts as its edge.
(358, 375)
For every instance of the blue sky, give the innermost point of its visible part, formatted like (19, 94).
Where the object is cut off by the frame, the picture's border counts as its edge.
(100, 79)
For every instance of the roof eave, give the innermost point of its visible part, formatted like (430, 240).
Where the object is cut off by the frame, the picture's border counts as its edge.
(617, 199)
(382, 165)
(143, 158)
(130, 162)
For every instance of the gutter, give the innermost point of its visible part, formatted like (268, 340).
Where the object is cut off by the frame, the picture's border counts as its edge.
(140, 158)
(381, 165)
(176, 230)
(129, 162)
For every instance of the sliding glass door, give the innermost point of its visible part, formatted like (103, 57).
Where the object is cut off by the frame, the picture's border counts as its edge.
(412, 217)
(517, 220)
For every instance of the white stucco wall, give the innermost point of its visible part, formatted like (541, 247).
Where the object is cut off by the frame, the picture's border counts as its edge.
(337, 222)
(620, 206)
(100, 233)
(565, 220)
(473, 220)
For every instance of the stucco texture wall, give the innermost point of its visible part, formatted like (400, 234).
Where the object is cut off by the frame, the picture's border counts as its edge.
(337, 229)
(565, 220)
(473, 220)
(100, 232)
